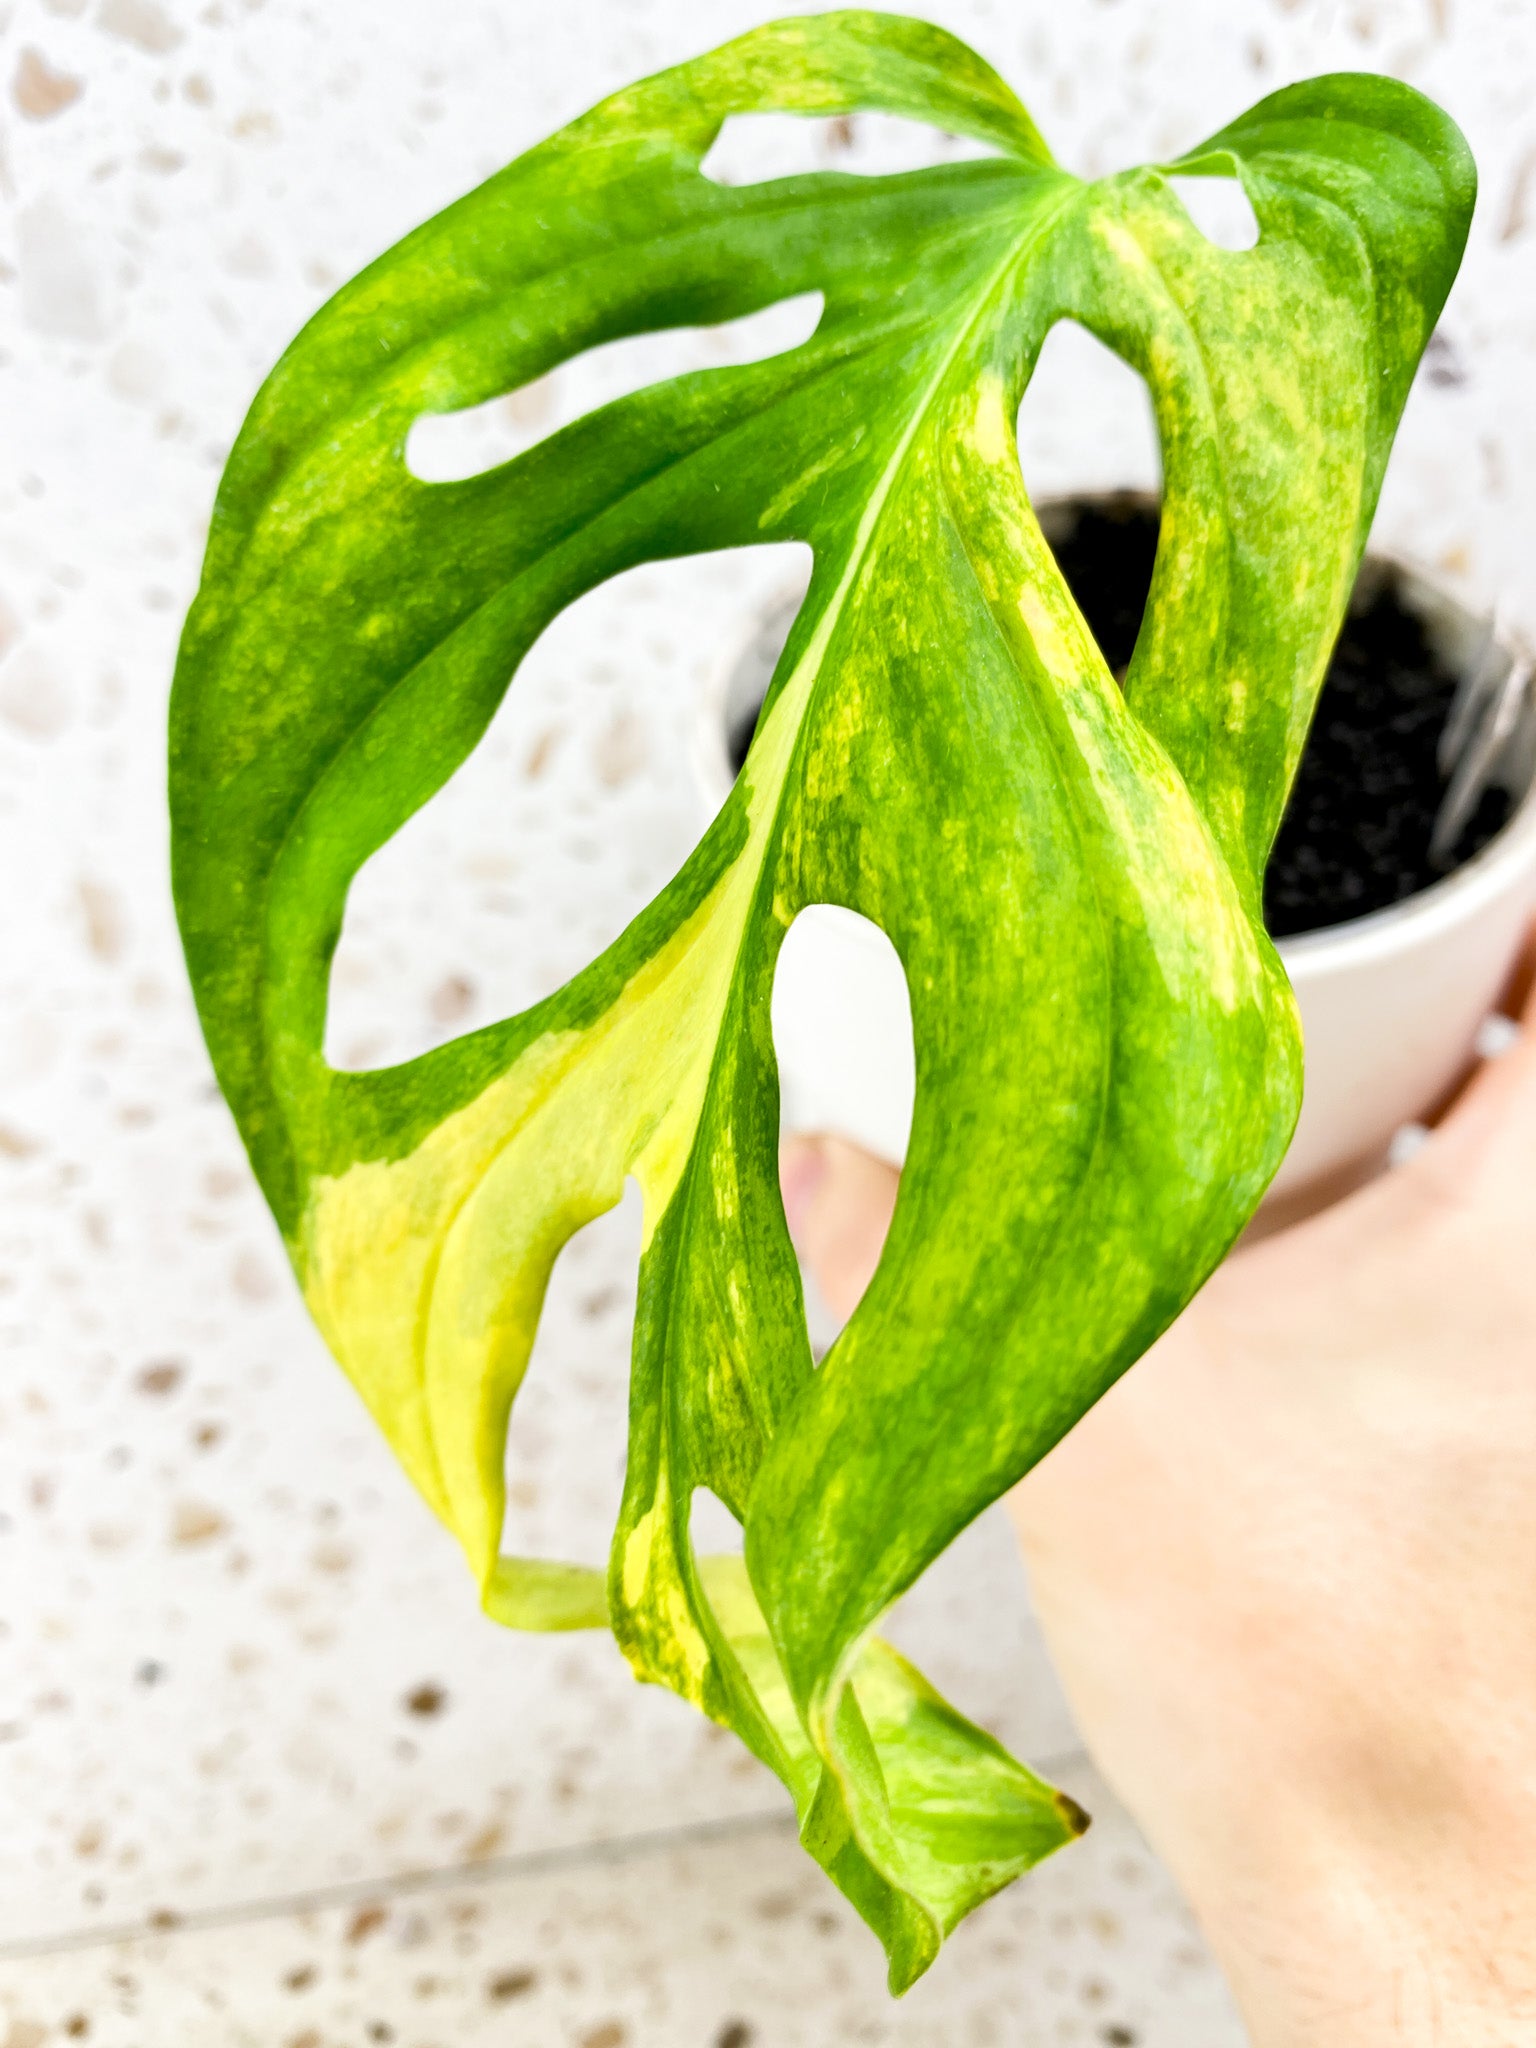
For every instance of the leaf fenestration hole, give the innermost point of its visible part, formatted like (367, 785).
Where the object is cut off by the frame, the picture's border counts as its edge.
(751, 149)
(1220, 209)
(712, 1528)
(842, 1031)
(450, 447)
(751, 671)
(1089, 449)
(566, 1445)
(580, 803)
(1086, 422)
(842, 1034)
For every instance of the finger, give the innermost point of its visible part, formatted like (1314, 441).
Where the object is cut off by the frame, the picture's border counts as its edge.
(803, 1166)
(1517, 999)
(1500, 1031)
(1491, 1117)
(838, 1201)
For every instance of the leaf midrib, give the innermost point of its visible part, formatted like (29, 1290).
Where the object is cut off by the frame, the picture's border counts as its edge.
(802, 679)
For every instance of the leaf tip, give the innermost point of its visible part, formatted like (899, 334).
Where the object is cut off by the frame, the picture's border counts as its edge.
(1077, 1819)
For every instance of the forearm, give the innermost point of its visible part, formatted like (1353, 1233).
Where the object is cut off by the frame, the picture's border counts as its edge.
(1368, 1893)
(1339, 1773)
(1361, 1944)
(1380, 1987)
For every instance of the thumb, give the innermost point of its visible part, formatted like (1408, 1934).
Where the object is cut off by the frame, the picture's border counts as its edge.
(838, 1202)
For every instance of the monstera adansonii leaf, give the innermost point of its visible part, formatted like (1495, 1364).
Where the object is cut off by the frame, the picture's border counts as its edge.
(1107, 1054)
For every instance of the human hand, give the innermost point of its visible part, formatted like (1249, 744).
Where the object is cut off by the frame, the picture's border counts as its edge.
(1287, 1569)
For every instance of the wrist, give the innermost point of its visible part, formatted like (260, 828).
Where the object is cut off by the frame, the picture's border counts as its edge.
(1347, 1947)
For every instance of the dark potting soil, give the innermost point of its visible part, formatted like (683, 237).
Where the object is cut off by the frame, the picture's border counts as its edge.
(1355, 837)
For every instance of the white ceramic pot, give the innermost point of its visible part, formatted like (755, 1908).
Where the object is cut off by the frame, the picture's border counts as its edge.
(1391, 1004)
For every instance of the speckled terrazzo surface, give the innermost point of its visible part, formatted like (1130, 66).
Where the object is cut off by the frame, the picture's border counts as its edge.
(722, 1941)
(239, 1666)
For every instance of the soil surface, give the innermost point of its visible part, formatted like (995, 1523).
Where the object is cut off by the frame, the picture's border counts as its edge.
(1355, 837)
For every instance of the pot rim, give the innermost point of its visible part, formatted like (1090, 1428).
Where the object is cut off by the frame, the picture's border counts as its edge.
(1427, 913)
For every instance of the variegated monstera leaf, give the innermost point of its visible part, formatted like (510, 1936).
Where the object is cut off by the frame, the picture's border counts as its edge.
(1107, 1055)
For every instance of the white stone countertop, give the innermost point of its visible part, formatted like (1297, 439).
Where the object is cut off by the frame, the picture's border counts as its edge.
(716, 1938)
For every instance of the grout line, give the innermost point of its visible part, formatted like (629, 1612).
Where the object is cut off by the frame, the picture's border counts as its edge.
(407, 1883)
(574, 1856)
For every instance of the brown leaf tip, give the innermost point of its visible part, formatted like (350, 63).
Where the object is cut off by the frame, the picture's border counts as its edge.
(1077, 1818)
